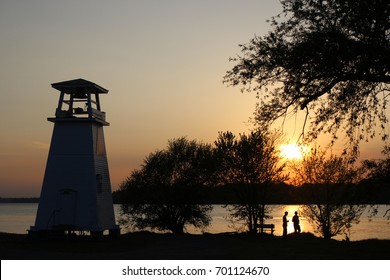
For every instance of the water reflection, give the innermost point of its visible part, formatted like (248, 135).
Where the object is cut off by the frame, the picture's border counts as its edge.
(18, 217)
(221, 224)
(368, 228)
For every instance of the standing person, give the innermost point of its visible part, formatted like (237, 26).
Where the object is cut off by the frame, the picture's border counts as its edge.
(295, 220)
(285, 221)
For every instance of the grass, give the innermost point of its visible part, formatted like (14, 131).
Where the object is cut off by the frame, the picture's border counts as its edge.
(147, 245)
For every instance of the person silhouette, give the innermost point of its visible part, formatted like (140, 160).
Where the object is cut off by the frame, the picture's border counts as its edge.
(295, 220)
(285, 221)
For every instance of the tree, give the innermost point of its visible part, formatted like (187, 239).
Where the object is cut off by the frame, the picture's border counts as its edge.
(328, 58)
(330, 180)
(168, 188)
(377, 175)
(378, 171)
(251, 162)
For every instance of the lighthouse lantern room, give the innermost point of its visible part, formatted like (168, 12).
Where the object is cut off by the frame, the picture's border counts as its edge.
(76, 190)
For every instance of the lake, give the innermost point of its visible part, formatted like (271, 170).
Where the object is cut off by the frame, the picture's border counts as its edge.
(18, 217)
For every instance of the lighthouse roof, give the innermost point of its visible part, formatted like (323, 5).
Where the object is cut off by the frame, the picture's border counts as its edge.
(79, 86)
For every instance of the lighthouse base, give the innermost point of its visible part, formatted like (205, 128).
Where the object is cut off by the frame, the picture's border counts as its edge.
(68, 232)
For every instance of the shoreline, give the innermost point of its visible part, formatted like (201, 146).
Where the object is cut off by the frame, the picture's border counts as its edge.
(155, 246)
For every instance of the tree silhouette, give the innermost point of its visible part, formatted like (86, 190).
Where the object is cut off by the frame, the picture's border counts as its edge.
(166, 189)
(378, 171)
(377, 176)
(330, 178)
(251, 162)
(328, 58)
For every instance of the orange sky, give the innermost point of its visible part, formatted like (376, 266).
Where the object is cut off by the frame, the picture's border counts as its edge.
(162, 62)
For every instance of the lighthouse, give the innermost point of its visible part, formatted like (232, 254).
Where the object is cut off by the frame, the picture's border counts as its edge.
(76, 190)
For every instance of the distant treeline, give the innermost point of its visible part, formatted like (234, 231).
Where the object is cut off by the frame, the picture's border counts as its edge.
(275, 194)
(363, 193)
(19, 199)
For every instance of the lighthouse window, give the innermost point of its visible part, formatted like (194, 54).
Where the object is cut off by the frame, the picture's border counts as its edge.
(99, 183)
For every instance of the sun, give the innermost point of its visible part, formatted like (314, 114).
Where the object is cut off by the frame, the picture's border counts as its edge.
(292, 151)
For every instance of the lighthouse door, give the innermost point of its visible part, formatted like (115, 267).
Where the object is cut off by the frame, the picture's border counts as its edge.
(67, 209)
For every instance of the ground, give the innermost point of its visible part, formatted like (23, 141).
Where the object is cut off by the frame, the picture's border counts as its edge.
(146, 245)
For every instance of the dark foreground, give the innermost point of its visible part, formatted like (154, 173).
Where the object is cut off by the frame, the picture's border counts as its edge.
(145, 245)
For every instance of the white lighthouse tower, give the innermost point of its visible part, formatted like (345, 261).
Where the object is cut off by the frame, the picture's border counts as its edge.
(76, 191)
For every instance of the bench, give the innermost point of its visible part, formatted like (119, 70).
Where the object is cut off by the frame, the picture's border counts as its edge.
(265, 227)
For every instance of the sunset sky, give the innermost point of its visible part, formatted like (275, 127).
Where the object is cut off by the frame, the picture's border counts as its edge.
(162, 62)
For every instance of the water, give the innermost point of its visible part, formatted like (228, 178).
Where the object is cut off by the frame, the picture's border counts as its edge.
(18, 217)
(377, 227)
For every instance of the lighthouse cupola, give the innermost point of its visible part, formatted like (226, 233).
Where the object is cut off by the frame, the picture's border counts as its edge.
(79, 99)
